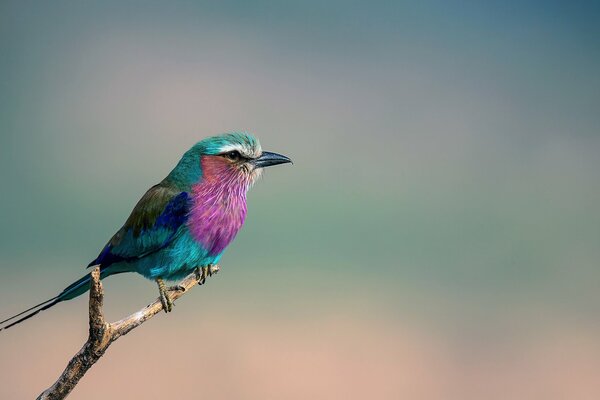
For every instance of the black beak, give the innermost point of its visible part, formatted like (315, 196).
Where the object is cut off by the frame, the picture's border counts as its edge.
(268, 159)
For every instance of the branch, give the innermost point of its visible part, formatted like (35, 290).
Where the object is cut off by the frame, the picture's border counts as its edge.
(102, 334)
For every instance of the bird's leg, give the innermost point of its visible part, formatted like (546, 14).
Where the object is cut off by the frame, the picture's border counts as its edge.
(201, 274)
(164, 296)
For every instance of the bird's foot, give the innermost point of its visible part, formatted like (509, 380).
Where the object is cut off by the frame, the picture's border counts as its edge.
(203, 272)
(213, 269)
(165, 300)
(199, 273)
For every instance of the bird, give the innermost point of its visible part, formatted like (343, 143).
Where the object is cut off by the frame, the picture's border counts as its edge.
(182, 224)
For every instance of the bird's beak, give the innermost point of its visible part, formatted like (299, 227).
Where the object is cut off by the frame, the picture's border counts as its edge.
(268, 159)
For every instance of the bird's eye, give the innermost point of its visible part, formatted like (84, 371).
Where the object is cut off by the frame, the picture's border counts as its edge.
(233, 155)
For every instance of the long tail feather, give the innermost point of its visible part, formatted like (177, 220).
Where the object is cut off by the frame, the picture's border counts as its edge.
(47, 305)
(29, 309)
(75, 289)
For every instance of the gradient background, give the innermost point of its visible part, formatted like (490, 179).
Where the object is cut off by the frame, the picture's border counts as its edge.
(437, 238)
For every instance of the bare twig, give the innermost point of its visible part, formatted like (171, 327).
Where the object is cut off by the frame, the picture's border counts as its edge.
(102, 334)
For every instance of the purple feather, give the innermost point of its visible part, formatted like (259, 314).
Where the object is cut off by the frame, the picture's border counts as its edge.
(218, 204)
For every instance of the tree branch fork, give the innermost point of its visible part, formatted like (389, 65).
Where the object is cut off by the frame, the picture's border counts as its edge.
(102, 334)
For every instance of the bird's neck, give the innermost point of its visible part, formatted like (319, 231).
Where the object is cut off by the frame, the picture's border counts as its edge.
(218, 204)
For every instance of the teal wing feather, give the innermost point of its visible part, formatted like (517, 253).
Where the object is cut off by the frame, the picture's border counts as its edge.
(152, 225)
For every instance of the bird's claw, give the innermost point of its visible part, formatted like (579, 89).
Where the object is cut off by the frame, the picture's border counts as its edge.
(199, 273)
(166, 302)
(213, 269)
(163, 295)
(176, 288)
(203, 276)
(203, 272)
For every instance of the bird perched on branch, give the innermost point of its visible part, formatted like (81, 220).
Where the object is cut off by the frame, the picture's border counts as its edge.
(184, 223)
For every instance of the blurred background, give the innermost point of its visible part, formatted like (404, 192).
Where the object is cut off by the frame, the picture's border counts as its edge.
(438, 236)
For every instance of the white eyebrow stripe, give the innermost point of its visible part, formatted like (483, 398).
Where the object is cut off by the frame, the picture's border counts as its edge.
(244, 150)
(229, 147)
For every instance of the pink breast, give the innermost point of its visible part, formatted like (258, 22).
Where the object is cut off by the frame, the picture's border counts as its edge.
(218, 204)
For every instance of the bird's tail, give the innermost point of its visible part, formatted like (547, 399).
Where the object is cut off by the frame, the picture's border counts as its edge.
(30, 312)
(75, 289)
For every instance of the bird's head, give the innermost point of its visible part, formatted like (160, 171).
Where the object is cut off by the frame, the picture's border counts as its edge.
(231, 158)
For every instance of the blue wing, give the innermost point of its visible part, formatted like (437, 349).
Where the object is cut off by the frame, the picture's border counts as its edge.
(152, 225)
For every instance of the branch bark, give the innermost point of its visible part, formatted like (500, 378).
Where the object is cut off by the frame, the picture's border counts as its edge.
(102, 334)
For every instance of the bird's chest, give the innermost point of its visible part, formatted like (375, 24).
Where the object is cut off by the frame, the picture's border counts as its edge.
(216, 216)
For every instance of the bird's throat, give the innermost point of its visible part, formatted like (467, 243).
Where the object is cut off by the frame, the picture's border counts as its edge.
(218, 204)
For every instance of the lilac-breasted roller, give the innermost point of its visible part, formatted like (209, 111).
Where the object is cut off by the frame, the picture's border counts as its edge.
(185, 222)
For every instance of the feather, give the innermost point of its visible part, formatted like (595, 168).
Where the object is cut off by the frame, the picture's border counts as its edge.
(152, 225)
